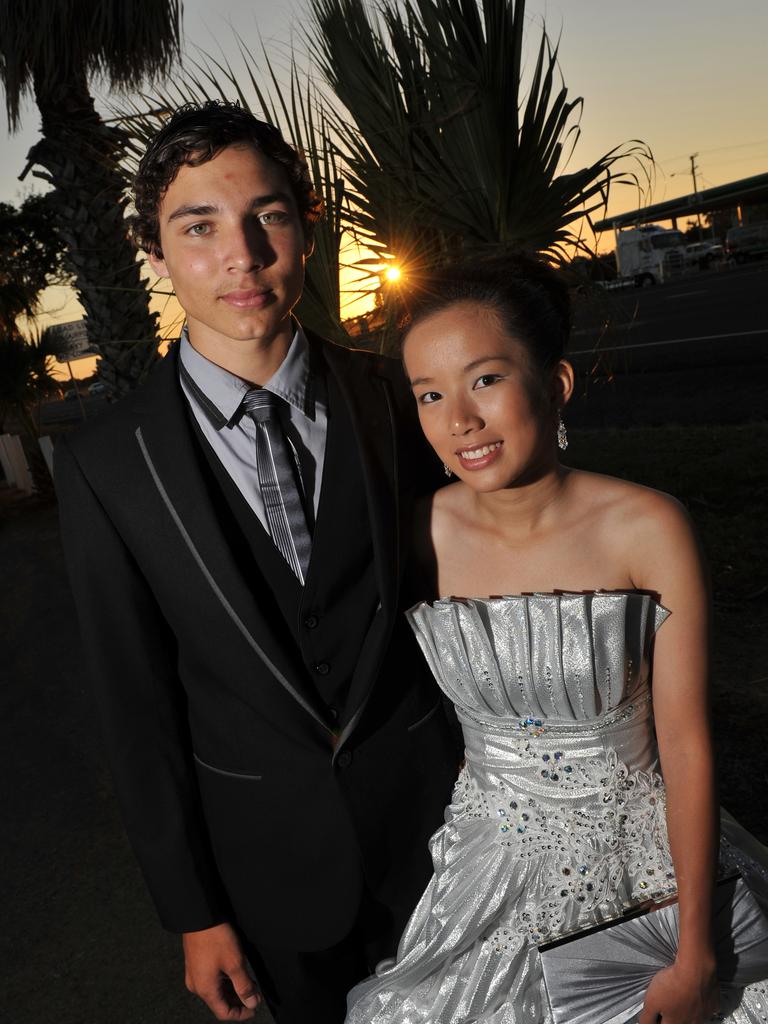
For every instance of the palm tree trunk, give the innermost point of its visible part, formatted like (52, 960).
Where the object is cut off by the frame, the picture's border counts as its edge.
(80, 156)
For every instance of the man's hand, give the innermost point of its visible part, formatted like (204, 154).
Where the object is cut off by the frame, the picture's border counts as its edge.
(217, 972)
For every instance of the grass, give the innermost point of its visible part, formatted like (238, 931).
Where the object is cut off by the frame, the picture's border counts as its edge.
(721, 476)
(719, 473)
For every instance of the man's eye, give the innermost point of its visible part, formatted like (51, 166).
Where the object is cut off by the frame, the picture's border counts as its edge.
(487, 379)
(429, 397)
(273, 217)
(198, 229)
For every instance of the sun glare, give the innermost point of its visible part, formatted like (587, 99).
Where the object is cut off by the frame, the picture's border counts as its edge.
(393, 273)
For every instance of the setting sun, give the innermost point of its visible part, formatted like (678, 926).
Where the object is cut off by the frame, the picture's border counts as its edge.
(393, 273)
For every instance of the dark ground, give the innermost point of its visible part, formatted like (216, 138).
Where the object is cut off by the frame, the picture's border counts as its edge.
(80, 942)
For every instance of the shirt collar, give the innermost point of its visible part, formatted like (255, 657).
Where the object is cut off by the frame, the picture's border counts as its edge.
(292, 379)
(220, 393)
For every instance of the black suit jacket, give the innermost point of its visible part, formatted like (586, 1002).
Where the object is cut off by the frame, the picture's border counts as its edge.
(242, 799)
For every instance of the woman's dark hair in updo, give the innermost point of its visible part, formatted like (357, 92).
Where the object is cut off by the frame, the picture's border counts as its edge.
(530, 298)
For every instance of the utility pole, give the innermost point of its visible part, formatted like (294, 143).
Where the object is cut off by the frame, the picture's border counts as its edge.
(696, 189)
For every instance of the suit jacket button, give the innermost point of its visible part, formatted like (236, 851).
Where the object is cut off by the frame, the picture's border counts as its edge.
(311, 622)
(322, 668)
(344, 760)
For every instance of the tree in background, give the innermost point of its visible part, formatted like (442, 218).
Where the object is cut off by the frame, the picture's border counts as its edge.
(31, 257)
(426, 139)
(54, 49)
(448, 149)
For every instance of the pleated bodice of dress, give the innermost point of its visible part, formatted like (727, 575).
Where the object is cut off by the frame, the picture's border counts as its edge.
(565, 657)
(553, 695)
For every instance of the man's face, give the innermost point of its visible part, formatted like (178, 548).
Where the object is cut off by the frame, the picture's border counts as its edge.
(234, 248)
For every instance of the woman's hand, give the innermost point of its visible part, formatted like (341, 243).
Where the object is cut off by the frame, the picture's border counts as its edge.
(682, 994)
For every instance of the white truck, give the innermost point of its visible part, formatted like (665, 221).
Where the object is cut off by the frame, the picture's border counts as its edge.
(649, 255)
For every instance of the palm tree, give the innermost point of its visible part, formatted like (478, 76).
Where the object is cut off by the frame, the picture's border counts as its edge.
(446, 150)
(54, 49)
(25, 377)
(426, 137)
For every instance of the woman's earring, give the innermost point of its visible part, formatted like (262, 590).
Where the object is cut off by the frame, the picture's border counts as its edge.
(562, 433)
(448, 472)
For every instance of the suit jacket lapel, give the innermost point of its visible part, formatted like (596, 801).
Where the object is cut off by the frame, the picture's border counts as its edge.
(372, 411)
(169, 449)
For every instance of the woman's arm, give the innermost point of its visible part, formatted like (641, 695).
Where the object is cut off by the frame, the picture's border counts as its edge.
(669, 562)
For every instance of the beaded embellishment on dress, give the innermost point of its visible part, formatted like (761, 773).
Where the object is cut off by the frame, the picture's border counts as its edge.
(557, 821)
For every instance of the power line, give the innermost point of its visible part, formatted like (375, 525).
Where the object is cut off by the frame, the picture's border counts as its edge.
(737, 160)
(716, 149)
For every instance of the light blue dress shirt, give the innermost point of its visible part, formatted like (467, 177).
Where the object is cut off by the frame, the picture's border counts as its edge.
(232, 433)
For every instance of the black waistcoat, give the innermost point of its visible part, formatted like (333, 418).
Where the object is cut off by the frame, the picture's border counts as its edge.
(326, 621)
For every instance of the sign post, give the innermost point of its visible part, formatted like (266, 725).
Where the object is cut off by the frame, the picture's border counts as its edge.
(71, 342)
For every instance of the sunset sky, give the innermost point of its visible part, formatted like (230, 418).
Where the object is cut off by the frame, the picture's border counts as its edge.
(685, 77)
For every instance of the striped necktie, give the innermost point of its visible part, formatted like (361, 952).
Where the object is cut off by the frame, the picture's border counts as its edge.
(275, 466)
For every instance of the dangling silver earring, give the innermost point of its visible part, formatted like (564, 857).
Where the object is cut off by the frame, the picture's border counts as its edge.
(448, 472)
(562, 433)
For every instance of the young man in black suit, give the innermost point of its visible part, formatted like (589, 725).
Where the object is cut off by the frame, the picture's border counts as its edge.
(235, 532)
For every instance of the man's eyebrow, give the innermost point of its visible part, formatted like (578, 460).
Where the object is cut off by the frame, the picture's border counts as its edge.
(190, 210)
(272, 197)
(206, 209)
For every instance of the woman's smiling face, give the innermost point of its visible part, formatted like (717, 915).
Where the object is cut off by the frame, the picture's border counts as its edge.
(482, 404)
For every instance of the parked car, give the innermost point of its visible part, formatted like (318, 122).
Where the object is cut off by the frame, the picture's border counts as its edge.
(98, 388)
(749, 242)
(704, 254)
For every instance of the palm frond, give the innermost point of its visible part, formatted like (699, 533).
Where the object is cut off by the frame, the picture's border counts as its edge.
(51, 42)
(447, 147)
(25, 370)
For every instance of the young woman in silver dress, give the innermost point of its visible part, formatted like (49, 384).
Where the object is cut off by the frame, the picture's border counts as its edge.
(588, 784)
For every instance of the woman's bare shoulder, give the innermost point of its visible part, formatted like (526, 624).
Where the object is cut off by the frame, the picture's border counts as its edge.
(648, 530)
(448, 498)
(435, 520)
(623, 501)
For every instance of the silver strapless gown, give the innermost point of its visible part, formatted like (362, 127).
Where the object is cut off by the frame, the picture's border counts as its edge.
(557, 820)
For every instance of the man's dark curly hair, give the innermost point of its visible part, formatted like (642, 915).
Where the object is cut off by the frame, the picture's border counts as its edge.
(195, 134)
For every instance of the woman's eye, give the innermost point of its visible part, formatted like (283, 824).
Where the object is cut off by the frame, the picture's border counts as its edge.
(197, 230)
(487, 379)
(429, 397)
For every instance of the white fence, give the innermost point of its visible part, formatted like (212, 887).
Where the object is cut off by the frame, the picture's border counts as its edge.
(14, 463)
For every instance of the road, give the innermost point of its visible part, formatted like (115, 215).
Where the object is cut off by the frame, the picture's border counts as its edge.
(718, 316)
(688, 352)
